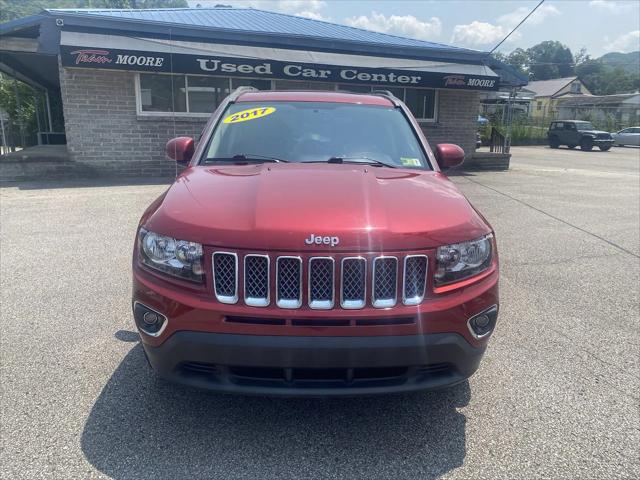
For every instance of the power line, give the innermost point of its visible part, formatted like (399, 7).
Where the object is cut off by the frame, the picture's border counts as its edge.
(516, 27)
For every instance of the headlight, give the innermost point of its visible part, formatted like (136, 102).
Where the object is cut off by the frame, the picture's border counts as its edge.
(179, 258)
(463, 260)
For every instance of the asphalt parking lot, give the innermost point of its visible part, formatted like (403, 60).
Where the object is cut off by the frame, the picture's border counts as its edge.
(557, 395)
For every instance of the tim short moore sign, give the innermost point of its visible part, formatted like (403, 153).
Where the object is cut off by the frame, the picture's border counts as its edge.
(243, 67)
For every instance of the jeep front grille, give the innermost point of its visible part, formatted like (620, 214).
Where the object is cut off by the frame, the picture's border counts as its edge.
(321, 282)
(385, 279)
(256, 280)
(289, 282)
(354, 282)
(318, 275)
(415, 279)
(225, 276)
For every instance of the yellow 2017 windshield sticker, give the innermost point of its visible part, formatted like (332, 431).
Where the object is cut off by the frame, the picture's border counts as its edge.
(249, 114)
(410, 161)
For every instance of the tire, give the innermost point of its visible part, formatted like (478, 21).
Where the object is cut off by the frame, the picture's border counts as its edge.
(605, 149)
(553, 142)
(571, 146)
(586, 144)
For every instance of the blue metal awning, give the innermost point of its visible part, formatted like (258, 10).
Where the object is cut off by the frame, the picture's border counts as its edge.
(259, 29)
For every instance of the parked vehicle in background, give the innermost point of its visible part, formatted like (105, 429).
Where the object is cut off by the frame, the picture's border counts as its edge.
(576, 132)
(628, 136)
(478, 140)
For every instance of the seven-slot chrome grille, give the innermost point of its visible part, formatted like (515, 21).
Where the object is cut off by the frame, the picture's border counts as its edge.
(326, 278)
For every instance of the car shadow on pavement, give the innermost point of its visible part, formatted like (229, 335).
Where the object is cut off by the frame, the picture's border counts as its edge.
(143, 427)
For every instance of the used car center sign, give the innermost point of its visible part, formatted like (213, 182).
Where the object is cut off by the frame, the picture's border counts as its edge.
(243, 67)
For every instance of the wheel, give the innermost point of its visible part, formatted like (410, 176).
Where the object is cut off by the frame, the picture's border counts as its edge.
(553, 142)
(571, 146)
(586, 144)
(605, 148)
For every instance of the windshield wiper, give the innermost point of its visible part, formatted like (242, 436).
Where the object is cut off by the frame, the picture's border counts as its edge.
(365, 160)
(247, 157)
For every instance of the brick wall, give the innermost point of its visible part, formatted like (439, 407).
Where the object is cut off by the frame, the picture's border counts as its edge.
(457, 120)
(105, 134)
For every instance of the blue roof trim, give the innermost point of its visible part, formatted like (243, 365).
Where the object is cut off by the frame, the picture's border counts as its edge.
(254, 20)
(266, 28)
(509, 76)
(21, 23)
(271, 41)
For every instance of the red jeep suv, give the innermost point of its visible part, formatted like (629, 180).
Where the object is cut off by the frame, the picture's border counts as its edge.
(312, 247)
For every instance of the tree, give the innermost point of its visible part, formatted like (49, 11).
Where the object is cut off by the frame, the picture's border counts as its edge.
(581, 57)
(603, 80)
(519, 59)
(550, 59)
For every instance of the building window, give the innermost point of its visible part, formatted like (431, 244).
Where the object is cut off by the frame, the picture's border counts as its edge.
(162, 93)
(346, 87)
(576, 87)
(250, 82)
(198, 95)
(205, 93)
(299, 85)
(538, 105)
(423, 102)
(194, 95)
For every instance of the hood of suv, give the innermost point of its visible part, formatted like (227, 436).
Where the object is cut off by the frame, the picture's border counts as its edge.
(278, 206)
(594, 132)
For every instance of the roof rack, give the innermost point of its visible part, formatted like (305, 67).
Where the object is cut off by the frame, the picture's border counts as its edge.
(240, 90)
(386, 94)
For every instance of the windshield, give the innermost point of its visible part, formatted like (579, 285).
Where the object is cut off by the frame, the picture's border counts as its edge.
(584, 126)
(316, 132)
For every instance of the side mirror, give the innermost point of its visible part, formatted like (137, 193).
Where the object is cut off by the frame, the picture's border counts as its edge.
(180, 149)
(449, 155)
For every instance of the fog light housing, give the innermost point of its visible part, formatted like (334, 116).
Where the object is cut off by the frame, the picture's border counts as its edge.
(148, 321)
(482, 324)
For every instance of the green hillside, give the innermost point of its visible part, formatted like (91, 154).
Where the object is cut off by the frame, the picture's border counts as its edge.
(630, 62)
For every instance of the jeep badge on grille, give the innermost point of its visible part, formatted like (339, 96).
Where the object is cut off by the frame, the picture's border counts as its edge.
(318, 240)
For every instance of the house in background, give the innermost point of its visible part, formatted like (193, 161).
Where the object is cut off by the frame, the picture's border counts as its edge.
(495, 103)
(547, 94)
(608, 111)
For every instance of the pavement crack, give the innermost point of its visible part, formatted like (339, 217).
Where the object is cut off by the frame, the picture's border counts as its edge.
(522, 202)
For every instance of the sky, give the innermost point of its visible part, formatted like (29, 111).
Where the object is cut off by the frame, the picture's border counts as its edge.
(600, 26)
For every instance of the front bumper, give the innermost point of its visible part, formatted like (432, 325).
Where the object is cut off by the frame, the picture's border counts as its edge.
(314, 366)
(274, 351)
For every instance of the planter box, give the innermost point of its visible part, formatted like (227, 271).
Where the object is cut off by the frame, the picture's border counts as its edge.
(487, 161)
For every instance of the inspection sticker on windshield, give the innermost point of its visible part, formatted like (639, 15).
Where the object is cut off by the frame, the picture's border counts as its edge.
(410, 162)
(250, 114)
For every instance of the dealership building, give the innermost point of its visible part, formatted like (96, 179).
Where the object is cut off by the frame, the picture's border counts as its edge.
(129, 80)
